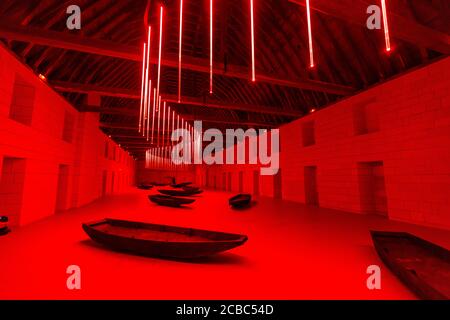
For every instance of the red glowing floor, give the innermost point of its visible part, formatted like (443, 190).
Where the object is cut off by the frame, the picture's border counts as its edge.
(293, 252)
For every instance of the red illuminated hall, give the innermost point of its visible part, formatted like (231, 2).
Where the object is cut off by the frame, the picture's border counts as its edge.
(224, 149)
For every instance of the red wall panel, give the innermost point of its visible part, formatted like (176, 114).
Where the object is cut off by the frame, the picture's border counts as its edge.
(408, 130)
(403, 124)
(42, 143)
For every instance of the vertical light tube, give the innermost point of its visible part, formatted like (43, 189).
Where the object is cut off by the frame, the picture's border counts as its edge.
(144, 62)
(178, 127)
(311, 49)
(157, 158)
(192, 143)
(154, 109)
(153, 158)
(173, 122)
(184, 141)
(386, 26)
(150, 152)
(145, 96)
(149, 109)
(211, 39)
(172, 143)
(160, 48)
(147, 73)
(168, 127)
(167, 157)
(180, 43)
(164, 124)
(253, 40)
(168, 124)
(159, 118)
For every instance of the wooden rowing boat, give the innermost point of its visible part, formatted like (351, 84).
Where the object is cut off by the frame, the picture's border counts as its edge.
(181, 185)
(160, 240)
(179, 193)
(170, 201)
(145, 186)
(191, 188)
(240, 201)
(4, 225)
(422, 266)
(160, 184)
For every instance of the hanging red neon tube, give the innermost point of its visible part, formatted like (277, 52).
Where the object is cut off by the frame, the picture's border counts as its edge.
(144, 54)
(153, 113)
(159, 120)
(173, 123)
(311, 49)
(149, 108)
(168, 122)
(386, 26)
(164, 124)
(211, 30)
(147, 76)
(253, 40)
(180, 43)
(160, 48)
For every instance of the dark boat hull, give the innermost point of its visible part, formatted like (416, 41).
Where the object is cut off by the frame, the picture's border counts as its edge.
(181, 185)
(144, 187)
(179, 193)
(4, 225)
(4, 231)
(214, 242)
(170, 201)
(421, 265)
(193, 189)
(240, 201)
(160, 184)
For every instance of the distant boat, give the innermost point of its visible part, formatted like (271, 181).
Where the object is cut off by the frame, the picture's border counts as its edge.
(160, 184)
(4, 225)
(145, 186)
(180, 193)
(424, 267)
(240, 201)
(169, 201)
(181, 185)
(189, 188)
(161, 240)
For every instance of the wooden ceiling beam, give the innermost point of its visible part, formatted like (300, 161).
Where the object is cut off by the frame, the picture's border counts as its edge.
(120, 51)
(193, 101)
(135, 113)
(354, 11)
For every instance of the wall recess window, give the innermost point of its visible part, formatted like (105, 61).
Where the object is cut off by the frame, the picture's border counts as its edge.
(22, 102)
(106, 149)
(69, 123)
(366, 118)
(12, 181)
(308, 134)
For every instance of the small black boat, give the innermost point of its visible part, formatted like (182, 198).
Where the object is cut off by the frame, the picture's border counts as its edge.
(4, 225)
(181, 185)
(240, 201)
(161, 240)
(190, 188)
(179, 193)
(422, 266)
(160, 184)
(145, 186)
(170, 201)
